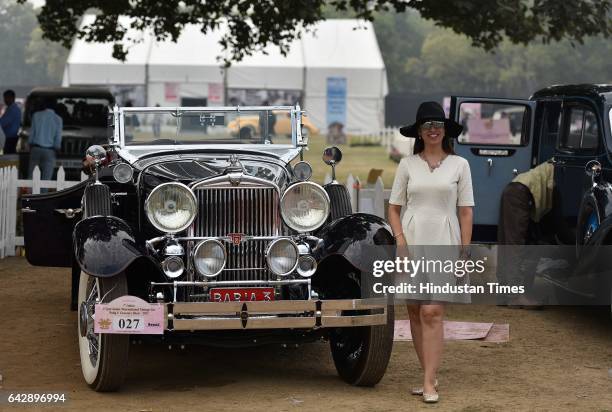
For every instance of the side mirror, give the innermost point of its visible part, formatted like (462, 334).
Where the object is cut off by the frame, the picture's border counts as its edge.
(593, 170)
(332, 156)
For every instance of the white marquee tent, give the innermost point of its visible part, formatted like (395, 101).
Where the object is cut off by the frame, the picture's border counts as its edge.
(167, 73)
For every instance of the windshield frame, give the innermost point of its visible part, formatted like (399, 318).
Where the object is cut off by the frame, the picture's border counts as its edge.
(119, 113)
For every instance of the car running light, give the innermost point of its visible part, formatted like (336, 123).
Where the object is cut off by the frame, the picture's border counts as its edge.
(123, 173)
(307, 266)
(173, 267)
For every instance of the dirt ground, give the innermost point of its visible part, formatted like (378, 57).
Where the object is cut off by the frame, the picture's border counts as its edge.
(557, 359)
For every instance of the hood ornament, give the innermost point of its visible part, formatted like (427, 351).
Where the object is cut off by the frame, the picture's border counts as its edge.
(234, 170)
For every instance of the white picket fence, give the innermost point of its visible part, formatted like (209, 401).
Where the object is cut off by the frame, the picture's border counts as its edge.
(384, 137)
(9, 189)
(366, 198)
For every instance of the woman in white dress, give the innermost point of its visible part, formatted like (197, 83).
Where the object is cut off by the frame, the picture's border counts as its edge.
(435, 187)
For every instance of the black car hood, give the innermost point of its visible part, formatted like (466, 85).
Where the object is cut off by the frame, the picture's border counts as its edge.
(192, 168)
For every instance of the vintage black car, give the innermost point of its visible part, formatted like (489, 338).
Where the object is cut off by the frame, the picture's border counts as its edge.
(568, 126)
(84, 111)
(221, 234)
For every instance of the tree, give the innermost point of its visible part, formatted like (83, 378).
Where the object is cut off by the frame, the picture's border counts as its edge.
(27, 60)
(252, 24)
(46, 54)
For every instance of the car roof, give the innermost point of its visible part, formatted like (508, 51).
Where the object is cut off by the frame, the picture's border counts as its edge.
(595, 91)
(72, 92)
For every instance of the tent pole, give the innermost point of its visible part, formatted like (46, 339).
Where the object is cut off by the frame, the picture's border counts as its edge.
(225, 91)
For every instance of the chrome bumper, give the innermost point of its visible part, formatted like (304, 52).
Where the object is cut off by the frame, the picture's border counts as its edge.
(301, 314)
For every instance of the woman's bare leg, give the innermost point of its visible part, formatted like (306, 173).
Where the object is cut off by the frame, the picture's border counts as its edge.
(414, 314)
(433, 343)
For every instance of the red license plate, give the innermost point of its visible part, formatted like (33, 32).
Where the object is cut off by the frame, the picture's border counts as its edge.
(241, 294)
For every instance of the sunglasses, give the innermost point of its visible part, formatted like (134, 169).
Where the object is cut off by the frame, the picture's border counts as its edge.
(432, 124)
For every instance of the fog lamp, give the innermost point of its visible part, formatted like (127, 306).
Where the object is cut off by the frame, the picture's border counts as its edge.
(282, 256)
(209, 257)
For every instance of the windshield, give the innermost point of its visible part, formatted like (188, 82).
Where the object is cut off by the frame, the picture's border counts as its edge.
(74, 111)
(171, 126)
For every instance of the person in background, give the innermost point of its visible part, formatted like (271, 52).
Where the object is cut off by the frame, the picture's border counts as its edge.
(2, 139)
(10, 122)
(157, 121)
(529, 197)
(45, 140)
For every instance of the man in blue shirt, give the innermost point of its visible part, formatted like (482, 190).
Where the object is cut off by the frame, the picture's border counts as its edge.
(10, 122)
(45, 140)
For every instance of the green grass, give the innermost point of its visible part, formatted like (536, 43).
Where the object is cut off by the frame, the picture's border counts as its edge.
(355, 160)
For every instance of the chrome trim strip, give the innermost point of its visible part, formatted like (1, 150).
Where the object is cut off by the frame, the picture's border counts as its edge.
(275, 314)
(247, 282)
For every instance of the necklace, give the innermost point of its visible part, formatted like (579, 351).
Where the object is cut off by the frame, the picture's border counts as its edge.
(432, 165)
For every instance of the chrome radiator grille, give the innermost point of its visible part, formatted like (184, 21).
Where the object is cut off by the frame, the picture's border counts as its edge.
(251, 211)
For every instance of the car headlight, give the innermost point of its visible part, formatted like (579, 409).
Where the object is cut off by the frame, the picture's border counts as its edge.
(171, 207)
(305, 206)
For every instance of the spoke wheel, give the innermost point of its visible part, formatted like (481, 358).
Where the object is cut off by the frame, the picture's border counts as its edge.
(103, 356)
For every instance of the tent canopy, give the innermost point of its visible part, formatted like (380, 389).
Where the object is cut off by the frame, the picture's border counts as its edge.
(344, 48)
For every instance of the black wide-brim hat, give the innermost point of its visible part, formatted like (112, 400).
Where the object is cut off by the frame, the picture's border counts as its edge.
(431, 111)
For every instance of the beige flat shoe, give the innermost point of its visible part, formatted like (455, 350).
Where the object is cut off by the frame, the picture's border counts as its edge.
(419, 389)
(431, 397)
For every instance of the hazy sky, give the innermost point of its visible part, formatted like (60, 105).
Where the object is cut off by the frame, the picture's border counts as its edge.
(37, 3)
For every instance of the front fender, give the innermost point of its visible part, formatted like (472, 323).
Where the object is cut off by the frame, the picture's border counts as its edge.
(104, 246)
(596, 214)
(360, 238)
(591, 273)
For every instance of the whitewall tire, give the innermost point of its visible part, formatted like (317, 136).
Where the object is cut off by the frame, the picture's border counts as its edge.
(103, 356)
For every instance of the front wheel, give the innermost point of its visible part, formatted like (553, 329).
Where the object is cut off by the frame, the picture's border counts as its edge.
(361, 354)
(103, 356)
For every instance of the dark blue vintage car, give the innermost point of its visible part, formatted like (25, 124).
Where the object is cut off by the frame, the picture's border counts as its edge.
(568, 126)
(220, 233)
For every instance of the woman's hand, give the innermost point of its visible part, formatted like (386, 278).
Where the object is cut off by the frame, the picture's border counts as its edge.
(400, 240)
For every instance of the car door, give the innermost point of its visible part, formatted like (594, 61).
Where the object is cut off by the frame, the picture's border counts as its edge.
(580, 140)
(497, 142)
(48, 221)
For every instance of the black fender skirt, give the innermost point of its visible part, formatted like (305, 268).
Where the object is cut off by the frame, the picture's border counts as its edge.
(360, 238)
(104, 246)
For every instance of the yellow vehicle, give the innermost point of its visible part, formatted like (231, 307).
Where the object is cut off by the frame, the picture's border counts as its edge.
(278, 121)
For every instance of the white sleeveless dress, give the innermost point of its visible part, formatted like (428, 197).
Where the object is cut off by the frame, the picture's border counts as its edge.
(430, 218)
